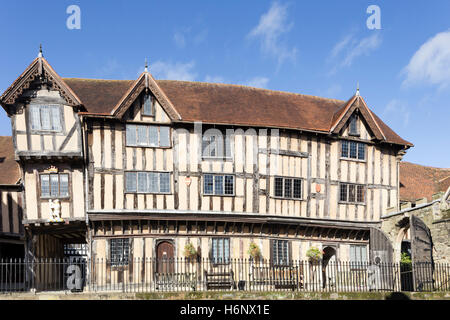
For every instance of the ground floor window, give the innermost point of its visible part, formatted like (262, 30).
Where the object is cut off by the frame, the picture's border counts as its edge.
(280, 252)
(120, 249)
(358, 255)
(220, 251)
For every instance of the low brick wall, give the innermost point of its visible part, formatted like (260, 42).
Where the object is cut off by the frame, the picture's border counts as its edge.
(232, 296)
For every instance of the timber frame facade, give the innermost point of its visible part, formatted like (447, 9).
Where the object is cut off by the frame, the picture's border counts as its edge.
(127, 160)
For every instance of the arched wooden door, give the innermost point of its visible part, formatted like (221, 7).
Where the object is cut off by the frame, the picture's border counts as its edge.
(165, 257)
(422, 255)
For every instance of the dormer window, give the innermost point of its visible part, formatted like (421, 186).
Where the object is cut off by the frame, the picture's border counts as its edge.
(147, 109)
(353, 126)
(45, 118)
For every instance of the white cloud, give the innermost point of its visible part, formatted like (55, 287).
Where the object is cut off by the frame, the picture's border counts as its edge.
(173, 71)
(363, 47)
(272, 25)
(431, 63)
(349, 48)
(397, 108)
(257, 82)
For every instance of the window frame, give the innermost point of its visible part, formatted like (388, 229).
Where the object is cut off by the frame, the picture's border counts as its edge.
(292, 187)
(148, 144)
(224, 262)
(358, 263)
(356, 186)
(152, 105)
(59, 174)
(51, 107)
(148, 179)
(274, 253)
(358, 145)
(125, 254)
(226, 145)
(354, 120)
(224, 188)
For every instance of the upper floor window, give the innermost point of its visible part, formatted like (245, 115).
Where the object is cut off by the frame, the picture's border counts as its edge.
(148, 136)
(55, 185)
(353, 193)
(353, 126)
(147, 182)
(147, 109)
(280, 252)
(216, 184)
(215, 144)
(45, 118)
(220, 250)
(353, 150)
(120, 250)
(289, 188)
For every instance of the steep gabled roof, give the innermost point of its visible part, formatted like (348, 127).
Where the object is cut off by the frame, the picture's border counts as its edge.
(220, 103)
(187, 101)
(357, 103)
(145, 81)
(9, 168)
(39, 67)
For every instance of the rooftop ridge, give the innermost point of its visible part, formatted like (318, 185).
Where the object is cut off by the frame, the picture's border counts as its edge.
(422, 165)
(221, 84)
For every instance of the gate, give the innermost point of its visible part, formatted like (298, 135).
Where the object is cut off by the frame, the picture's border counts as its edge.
(381, 252)
(422, 255)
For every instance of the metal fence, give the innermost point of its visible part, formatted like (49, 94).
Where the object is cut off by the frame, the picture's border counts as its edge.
(180, 274)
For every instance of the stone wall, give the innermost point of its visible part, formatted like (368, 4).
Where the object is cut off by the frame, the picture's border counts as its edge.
(435, 214)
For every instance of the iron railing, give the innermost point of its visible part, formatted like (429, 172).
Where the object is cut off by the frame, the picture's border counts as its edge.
(182, 274)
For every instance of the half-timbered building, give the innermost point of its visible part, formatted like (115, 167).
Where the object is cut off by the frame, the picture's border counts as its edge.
(140, 168)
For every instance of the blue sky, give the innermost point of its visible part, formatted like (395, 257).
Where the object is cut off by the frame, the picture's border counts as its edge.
(320, 48)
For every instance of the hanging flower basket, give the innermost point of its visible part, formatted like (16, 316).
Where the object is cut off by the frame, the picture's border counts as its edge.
(254, 251)
(314, 255)
(190, 252)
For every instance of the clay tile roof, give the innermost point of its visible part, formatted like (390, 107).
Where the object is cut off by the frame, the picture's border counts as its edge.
(227, 104)
(9, 168)
(99, 96)
(417, 181)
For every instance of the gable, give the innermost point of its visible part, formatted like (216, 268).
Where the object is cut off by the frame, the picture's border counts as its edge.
(146, 108)
(38, 73)
(144, 84)
(357, 126)
(356, 106)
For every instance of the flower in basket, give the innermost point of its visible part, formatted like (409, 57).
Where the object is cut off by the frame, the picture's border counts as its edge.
(314, 254)
(189, 251)
(254, 251)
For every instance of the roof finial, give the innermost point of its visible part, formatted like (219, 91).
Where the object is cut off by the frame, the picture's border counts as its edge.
(357, 89)
(146, 66)
(40, 51)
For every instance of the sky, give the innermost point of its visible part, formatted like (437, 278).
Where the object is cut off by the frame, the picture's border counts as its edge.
(398, 51)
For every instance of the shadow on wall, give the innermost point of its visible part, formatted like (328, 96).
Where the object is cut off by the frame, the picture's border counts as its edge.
(397, 296)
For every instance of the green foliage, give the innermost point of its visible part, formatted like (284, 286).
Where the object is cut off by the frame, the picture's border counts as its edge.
(254, 251)
(190, 251)
(405, 258)
(314, 254)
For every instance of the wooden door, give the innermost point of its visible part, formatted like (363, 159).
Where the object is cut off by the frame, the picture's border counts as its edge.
(381, 253)
(421, 254)
(165, 257)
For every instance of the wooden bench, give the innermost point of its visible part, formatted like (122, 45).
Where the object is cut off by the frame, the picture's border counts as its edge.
(279, 277)
(219, 280)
